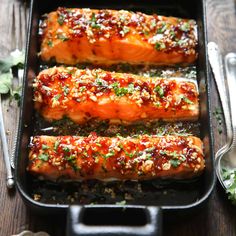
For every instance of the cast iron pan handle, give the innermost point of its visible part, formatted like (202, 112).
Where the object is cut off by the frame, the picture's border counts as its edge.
(114, 220)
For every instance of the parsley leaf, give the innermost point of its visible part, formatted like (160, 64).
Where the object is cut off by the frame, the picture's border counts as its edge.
(5, 82)
(175, 162)
(43, 157)
(230, 175)
(16, 58)
(158, 89)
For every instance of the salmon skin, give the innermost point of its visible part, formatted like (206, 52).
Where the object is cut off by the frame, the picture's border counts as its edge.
(117, 97)
(104, 158)
(71, 36)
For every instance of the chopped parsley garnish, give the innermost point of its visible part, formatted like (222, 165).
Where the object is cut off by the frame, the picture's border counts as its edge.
(56, 145)
(151, 149)
(62, 37)
(185, 27)
(82, 89)
(66, 149)
(157, 104)
(57, 97)
(45, 147)
(181, 42)
(126, 29)
(100, 82)
(66, 90)
(230, 175)
(50, 44)
(121, 91)
(160, 46)
(175, 162)
(43, 157)
(162, 29)
(172, 34)
(153, 23)
(109, 154)
(93, 22)
(185, 99)
(61, 19)
(158, 89)
(72, 161)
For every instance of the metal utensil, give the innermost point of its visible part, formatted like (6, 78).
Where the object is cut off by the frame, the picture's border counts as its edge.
(227, 159)
(20, 75)
(216, 63)
(10, 178)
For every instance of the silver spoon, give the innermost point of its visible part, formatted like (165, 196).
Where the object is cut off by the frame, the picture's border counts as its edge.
(216, 63)
(227, 160)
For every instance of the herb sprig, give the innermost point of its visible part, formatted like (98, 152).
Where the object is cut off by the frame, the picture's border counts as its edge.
(15, 59)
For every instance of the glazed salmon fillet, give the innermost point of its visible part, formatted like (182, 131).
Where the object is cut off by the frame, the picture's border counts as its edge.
(117, 97)
(116, 158)
(71, 36)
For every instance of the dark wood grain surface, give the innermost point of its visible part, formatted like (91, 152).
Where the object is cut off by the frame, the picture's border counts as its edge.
(218, 217)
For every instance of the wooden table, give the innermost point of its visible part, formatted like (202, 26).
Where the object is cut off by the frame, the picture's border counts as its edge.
(217, 218)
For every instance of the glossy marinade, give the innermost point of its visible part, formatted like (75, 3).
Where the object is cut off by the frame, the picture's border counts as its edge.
(109, 158)
(72, 36)
(118, 97)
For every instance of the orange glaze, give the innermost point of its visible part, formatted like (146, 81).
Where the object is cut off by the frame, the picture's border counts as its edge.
(117, 97)
(72, 36)
(104, 158)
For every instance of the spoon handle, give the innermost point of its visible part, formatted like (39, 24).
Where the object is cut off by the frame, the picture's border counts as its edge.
(216, 63)
(230, 67)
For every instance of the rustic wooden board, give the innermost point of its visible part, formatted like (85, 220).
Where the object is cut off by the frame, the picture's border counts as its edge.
(217, 218)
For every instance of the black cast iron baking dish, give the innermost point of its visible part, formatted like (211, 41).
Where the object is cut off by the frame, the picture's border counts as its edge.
(140, 218)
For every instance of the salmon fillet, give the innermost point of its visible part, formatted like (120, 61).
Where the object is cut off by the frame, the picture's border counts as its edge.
(116, 158)
(72, 36)
(118, 97)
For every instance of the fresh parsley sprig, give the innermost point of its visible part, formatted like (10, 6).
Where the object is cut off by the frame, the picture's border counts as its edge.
(230, 176)
(15, 59)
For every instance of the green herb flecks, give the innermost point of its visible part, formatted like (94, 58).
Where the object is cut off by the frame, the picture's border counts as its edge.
(43, 157)
(50, 43)
(121, 91)
(175, 162)
(45, 147)
(230, 177)
(72, 162)
(56, 145)
(158, 89)
(185, 27)
(62, 37)
(16, 59)
(61, 19)
(66, 90)
(66, 149)
(160, 46)
(109, 154)
(126, 29)
(57, 97)
(186, 100)
(94, 22)
(162, 29)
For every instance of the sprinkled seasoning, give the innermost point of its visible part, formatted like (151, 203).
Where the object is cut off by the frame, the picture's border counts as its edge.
(141, 157)
(69, 87)
(165, 34)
